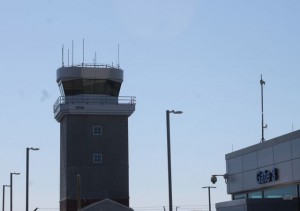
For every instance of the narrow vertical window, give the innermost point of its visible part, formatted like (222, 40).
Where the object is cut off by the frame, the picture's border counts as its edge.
(97, 130)
(97, 158)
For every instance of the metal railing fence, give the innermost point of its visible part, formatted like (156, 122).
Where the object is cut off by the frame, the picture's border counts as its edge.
(82, 99)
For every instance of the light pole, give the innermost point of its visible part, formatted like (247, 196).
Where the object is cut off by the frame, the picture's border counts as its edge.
(27, 173)
(169, 155)
(209, 187)
(3, 198)
(11, 189)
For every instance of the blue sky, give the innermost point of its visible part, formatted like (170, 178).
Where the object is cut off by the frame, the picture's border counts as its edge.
(202, 57)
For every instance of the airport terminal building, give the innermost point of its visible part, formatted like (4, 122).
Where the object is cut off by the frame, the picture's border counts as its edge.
(265, 176)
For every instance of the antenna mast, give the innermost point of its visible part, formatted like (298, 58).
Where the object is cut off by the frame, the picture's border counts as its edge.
(83, 52)
(62, 55)
(68, 58)
(262, 83)
(72, 52)
(118, 56)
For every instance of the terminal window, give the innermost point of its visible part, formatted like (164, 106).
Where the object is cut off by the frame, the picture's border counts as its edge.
(283, 192)
(255, 195)
(97, 130)
(97, 158)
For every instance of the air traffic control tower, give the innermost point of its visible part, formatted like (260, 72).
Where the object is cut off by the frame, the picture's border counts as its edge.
(93, 135)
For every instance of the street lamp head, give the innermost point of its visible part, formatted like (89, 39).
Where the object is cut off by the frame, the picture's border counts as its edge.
(16, 173)
(176, 112)
(31, 148)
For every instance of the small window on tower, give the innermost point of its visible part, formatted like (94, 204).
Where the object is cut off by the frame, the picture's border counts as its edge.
(97, 158)
(97, 130)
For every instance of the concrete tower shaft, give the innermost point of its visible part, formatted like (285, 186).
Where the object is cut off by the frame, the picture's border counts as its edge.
(93, 135)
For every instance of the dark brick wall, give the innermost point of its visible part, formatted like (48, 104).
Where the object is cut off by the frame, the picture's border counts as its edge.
(108, 179)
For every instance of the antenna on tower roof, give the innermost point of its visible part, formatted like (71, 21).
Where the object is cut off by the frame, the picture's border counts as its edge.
(95, 59)
(72, 52)
(118, 56)
(62, 55)
(68, 58)
(83, 52)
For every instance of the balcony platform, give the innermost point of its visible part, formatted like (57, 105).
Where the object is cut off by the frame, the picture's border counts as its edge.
(93, 105)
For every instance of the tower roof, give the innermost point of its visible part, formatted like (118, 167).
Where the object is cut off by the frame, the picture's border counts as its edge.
(104, 72)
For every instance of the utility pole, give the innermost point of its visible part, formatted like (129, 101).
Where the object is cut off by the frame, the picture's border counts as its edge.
(209, 187)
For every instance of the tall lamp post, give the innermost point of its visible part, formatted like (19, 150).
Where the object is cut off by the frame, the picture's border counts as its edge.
(169, 155)
(27, 173)
(209, 187)
(3, 198)
(11, 189)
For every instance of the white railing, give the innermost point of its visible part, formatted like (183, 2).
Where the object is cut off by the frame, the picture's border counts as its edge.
(82, 99)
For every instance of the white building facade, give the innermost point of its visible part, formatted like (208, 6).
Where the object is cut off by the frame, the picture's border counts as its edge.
(265, 176)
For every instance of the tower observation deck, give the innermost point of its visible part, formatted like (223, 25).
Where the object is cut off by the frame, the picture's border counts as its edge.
(91, 89)
(93, 135)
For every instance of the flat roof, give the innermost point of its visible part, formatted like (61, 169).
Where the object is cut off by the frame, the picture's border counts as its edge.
(262, 145)
(104, 72)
